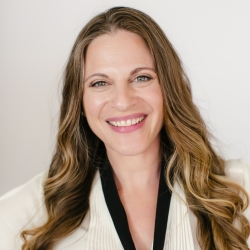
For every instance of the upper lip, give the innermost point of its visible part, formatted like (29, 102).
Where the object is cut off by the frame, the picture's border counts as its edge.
(124, 118)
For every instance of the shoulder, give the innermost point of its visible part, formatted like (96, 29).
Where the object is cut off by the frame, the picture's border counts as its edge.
(21, 208)
(239, 171)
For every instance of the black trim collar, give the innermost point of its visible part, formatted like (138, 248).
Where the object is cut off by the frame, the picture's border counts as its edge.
(118, 213)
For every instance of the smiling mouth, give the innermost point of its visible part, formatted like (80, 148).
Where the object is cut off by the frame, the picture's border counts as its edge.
(128, 122)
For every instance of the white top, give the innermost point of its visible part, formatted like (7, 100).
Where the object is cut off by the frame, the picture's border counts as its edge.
(23, 208)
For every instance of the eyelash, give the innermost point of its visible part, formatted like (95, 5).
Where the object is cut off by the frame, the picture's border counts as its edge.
(95, 84)
(103, 83)
(146, 78)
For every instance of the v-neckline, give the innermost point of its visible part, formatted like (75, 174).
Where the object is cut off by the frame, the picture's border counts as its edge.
(118, 213)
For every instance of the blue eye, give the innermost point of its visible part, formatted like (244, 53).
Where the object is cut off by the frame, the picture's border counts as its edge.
(98, 84)
(142, 78)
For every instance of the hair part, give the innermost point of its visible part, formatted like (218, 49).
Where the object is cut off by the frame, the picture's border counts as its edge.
(214, 199)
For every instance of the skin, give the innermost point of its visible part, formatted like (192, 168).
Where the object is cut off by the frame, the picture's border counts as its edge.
(121, 84)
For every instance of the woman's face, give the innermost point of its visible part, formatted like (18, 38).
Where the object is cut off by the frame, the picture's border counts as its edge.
(122, 97)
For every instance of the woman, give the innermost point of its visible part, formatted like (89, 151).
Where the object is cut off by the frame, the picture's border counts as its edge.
(128, 134)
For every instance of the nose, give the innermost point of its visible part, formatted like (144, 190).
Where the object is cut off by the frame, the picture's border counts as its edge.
(124, 97)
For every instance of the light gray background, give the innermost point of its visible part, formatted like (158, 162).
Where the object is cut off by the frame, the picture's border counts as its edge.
(36, 36)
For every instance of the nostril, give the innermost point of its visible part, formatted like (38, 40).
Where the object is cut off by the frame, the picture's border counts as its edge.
(123, 99)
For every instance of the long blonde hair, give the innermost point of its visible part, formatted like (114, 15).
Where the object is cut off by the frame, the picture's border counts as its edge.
(214, 199)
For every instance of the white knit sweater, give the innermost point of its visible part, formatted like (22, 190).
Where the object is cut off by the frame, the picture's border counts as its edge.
(23, 208)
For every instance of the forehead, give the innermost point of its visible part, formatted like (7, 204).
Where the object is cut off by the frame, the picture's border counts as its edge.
(119, 49)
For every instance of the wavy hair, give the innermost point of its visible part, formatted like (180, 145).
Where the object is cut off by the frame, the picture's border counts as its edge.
(215, 201)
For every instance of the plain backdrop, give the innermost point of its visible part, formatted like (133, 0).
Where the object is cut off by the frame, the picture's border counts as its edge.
(212, 37)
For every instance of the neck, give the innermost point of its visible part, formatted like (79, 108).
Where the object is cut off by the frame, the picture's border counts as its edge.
(137, 172)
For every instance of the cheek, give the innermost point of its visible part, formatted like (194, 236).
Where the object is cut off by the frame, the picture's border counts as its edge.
(156, 99)
(91, 112)
(93, 104)
(90, 104)
(156, 102)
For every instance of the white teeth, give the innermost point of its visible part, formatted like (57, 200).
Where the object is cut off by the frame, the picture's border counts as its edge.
(123, 123)
(127, 123)
(133, 122)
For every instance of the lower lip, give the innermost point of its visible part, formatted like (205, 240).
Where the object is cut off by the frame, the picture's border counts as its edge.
(128, 129)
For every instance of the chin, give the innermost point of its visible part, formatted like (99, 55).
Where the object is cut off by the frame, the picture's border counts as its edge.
(129, 153)
(127, 150)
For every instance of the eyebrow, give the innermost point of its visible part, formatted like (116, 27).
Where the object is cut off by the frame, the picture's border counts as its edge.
(139, 69)
(131, 73)
(96, 74)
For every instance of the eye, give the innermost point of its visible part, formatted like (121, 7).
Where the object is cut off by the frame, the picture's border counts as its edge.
(98, 84)
(142, 78)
